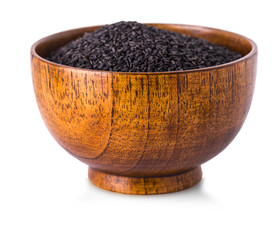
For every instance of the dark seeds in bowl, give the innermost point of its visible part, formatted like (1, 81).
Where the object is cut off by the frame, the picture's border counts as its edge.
(135, 47)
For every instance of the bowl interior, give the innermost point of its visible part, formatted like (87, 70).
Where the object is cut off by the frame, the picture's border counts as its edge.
(227, 39)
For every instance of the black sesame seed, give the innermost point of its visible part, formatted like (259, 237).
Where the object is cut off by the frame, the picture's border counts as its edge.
(134, 47)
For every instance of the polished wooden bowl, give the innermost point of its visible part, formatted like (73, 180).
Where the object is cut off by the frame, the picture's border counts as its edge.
(145, 133)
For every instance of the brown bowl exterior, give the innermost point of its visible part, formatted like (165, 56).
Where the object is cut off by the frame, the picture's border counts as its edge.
(145, 124)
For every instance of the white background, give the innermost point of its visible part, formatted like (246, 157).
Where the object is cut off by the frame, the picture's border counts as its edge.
(45, 192)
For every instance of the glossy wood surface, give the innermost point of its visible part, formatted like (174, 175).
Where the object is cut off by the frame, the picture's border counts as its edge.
(136, 130)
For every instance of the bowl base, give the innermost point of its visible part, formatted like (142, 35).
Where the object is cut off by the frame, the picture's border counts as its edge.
(145, 185)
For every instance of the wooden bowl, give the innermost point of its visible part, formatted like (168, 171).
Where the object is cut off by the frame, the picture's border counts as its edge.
(145, 133)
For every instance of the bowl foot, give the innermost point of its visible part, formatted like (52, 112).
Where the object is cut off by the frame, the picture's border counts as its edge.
(145, 185)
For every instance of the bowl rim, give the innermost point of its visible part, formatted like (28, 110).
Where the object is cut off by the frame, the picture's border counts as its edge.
(253, 51)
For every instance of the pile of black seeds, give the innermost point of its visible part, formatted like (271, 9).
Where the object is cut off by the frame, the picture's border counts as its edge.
(134, 47)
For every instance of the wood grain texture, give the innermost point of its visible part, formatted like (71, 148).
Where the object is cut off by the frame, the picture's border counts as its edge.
(145, 125)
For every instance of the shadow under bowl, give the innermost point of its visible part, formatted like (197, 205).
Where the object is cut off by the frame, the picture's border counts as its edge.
(145, 133)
